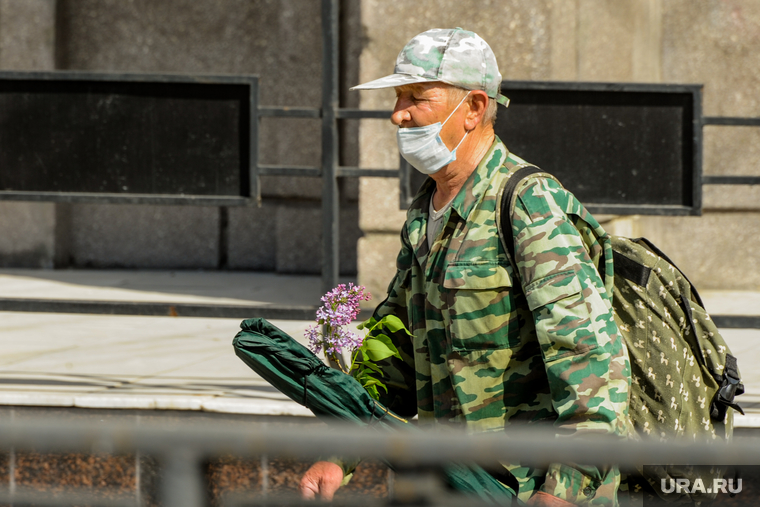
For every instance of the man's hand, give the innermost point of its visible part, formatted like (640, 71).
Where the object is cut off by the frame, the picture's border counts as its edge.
(323, 479)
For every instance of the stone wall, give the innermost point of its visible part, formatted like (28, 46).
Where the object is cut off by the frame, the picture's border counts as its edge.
(278, 40)
(676, 41)
(27, 42)
(718, 44)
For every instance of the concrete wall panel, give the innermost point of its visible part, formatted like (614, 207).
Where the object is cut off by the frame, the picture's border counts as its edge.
(116, 236)
(299, 238)
(27, 42)
(27, 34)
(618, 41)
(278, 40)
(27, 234)
(563, 31)
(379, 210)
(377, 263)
(716, 250)
(732, 197)
(230, 36)
(605, 40)
(731, 151)
(250, 237)
(299, 234)
(716, 43)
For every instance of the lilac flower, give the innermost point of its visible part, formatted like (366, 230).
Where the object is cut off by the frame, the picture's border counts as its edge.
(340, 307)
(314, 336)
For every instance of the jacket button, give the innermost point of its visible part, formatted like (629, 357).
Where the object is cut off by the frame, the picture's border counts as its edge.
(589, 491)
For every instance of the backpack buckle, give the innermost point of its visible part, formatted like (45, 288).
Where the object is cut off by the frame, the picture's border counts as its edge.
(730, 387)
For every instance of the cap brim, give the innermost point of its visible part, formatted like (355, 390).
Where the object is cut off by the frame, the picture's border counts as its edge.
(391, 82)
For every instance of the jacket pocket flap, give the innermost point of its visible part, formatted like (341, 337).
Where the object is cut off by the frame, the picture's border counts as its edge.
(476, 276)
(552, 288)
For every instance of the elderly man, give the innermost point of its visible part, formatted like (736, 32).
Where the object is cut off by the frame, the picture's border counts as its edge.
(492, 347)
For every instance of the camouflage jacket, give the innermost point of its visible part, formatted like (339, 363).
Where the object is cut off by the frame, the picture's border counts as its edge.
(491, 348)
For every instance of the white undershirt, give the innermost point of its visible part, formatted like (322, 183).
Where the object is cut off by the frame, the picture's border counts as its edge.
(435, 220)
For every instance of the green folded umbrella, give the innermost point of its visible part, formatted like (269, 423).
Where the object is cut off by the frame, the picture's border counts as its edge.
(331, 394)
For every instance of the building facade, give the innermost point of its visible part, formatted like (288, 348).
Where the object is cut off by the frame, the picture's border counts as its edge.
(710, 42)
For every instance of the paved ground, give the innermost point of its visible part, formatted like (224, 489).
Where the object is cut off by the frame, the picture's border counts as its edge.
(136, 362)
(218, 287)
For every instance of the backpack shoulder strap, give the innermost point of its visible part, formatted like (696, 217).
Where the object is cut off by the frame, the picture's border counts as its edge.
(507, 206)
(664, 257)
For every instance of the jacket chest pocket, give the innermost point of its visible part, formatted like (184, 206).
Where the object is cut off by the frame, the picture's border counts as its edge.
(479, 303)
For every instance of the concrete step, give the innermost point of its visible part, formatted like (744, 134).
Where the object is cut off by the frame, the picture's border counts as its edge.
(91, 360)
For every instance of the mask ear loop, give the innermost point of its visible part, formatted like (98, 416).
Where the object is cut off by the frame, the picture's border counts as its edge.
(452, 113)
(460, 142)
(455, 109)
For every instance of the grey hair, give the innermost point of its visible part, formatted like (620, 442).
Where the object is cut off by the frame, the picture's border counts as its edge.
(457, 94)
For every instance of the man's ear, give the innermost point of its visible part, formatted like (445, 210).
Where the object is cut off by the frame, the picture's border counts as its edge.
(478, 102)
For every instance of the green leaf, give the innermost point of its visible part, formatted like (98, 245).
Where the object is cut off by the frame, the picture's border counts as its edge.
(372, 391)
(370, 383)
(377, 350)
(394, 324)
(387, 342)
(371, 366)
(363, 376)
(367, 377)
(367, 324)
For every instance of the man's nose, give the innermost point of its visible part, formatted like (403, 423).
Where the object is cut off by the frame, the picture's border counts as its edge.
(400, 115)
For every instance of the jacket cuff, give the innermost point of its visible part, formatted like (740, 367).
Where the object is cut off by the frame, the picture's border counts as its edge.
(578, 488)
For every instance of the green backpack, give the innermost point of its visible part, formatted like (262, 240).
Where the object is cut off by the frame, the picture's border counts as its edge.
(684, 378)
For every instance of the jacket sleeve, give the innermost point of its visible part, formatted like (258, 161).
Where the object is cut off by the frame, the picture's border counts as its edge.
(585, 358)
(398, 374)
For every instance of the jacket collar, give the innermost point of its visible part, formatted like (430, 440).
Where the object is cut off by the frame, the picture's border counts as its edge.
(479, 181)
(469, 196)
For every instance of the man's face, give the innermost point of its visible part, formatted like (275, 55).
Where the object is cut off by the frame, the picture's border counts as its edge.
(421, 104)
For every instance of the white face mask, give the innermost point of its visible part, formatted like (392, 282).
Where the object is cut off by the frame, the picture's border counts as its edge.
(423, 147)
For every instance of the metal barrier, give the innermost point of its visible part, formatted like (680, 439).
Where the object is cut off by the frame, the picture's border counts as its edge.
(182, 448)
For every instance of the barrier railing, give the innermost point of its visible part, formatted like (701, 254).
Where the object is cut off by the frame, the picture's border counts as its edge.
(182, 448)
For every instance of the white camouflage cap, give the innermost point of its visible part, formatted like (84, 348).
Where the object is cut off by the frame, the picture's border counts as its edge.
(452, 55)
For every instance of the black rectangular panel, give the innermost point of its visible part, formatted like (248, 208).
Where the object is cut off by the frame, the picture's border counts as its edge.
(125, 135)
(619, 148)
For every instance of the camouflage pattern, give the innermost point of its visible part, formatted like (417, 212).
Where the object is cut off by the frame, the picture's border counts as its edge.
(452, 55)
(493, 348)
(674, 364)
